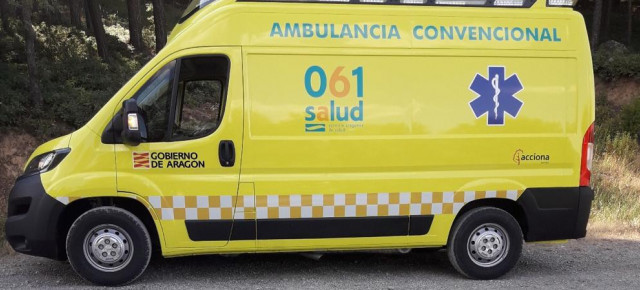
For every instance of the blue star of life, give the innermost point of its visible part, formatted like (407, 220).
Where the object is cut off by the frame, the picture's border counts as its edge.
(496, 96)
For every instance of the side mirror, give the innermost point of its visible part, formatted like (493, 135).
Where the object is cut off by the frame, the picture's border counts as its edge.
(131, 123)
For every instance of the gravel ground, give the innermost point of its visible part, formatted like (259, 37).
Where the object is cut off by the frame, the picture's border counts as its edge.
(589, 263)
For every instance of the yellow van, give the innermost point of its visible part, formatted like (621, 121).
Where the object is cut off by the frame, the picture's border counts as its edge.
(311, 126)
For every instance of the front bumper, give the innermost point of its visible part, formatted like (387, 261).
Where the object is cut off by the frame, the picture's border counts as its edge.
(32, 221)
(555, 213)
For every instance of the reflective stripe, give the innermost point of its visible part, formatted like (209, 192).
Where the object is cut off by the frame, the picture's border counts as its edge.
(318, 205)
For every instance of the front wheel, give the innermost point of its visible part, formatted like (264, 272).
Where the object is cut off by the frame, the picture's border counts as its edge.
(108, 246)
(485, 243)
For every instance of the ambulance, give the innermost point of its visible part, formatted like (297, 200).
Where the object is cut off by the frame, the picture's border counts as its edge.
(323, 126)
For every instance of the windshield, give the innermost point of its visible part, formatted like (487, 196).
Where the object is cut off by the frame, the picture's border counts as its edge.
(193, 7)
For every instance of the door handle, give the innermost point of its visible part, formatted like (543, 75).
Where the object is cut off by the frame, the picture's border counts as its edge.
(227, 153)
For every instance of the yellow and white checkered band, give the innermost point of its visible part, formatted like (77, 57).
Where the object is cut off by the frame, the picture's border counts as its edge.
(67, 199)
(318, 205)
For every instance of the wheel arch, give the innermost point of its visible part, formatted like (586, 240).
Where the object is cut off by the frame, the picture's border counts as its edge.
(508, 205)
(78, 207)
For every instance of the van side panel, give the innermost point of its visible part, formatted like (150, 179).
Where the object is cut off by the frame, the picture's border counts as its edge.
(418, 135)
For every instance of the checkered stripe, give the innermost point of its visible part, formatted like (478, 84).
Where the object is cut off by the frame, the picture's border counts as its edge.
(67, 199)
(318, 205)
(200, 207)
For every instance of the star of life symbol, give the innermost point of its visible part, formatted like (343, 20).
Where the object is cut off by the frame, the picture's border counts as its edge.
(496, 96)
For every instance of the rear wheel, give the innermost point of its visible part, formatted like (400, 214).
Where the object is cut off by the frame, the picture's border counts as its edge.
(485, 243)
(108, 246)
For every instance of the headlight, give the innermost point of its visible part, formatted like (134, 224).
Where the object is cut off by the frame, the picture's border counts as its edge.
(47, 161)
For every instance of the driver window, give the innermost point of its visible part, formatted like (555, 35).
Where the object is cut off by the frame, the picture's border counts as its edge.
(200, 99)
(195, 112)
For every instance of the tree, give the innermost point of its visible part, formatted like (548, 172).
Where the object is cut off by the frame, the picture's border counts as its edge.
(158, 20)
(135, 24)
(74, 13)
(629, 21)
(87, 17)
(606, 20)
(95, 18)
(597, 17)
(5, 12)
(47, 11)
(30, 39)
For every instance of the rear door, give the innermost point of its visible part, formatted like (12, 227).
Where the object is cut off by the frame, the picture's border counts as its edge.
(188, 165)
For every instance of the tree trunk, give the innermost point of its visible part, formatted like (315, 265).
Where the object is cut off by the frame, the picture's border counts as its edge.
(606, 20)
(629, 21)
(87, 17)
(597, 17)
(98, 29)
(30, 39)
(5, 13)
(158, 20)
(135, 24)
(74, 13)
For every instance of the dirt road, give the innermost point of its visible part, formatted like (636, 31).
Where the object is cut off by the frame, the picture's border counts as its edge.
(590, 263)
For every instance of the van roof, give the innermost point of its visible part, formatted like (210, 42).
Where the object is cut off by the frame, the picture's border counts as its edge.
(462, 3)
(295, 23)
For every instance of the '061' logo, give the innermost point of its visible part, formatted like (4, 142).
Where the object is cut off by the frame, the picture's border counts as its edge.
(343, 108)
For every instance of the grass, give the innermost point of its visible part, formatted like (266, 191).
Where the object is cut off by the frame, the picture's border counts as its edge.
(616, 182)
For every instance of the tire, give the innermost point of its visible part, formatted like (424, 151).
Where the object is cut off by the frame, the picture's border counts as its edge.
(485, 243)
(115, 234)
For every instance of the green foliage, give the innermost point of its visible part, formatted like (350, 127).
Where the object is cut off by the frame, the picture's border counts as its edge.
(622, 144)
(13, 105)
(611, 66)
(630, 118)
(74, 82)
(608, 121)
(11, 47)
(616, 124)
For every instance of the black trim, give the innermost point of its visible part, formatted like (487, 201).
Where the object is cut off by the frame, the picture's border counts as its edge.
(419, 225)
(214, 230)
(188, 15)
(584, 210)
(227, 153)
(243, 230)
(555, 213)
(174, 100)
(218, 230)
(32, 222)
(308, 228)
(194, 10)
(489, 3)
